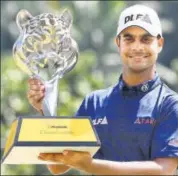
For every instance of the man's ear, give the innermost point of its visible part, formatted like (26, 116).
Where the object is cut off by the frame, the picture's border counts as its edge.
(118, 41)
(160, 44)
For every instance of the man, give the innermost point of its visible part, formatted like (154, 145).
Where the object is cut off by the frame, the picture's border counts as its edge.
(140, 133)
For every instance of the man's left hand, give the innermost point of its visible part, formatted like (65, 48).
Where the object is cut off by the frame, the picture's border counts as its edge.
(75, 159)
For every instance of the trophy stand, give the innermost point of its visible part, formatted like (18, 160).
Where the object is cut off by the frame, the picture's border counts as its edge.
(50, 101)
(45, 43)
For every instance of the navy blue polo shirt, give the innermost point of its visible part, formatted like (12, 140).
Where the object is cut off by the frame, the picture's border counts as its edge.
(134, 123)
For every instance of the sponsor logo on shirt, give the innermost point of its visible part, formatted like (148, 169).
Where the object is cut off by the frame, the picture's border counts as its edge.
(100, 121)
(145, 120)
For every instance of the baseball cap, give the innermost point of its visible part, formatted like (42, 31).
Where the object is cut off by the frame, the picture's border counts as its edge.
(142, 16)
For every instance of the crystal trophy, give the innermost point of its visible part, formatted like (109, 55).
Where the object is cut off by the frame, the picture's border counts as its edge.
(46, 50)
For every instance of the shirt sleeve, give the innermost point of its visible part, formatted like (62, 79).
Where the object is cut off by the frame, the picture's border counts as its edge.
(87, 106)
(83, 109)
(165, 136)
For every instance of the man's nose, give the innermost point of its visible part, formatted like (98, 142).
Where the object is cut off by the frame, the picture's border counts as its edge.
(137, 46)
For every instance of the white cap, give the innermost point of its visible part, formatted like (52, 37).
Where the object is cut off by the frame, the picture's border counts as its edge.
(142, 16)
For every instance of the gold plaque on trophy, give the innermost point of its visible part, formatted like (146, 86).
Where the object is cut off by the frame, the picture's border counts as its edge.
(30, 136)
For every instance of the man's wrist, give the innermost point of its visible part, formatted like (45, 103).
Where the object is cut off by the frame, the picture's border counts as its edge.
(90, 167)
(41, 111)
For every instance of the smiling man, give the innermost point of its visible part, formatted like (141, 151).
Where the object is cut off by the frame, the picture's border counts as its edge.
(137, 118)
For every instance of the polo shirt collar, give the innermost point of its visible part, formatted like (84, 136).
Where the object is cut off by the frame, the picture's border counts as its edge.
(143, 88)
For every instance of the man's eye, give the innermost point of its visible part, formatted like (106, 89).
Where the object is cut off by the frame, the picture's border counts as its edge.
(146, 39)
(128, 39)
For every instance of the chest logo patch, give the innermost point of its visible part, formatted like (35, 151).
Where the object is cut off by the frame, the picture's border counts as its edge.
(100, 121)
(145, 120)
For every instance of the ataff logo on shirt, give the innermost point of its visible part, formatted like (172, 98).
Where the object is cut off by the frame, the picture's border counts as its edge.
(100, 121)
(142, 17)
(145, 120)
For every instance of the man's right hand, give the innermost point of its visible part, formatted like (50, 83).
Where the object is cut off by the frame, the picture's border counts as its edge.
(35, 97)
(57, 169)
(36, 93)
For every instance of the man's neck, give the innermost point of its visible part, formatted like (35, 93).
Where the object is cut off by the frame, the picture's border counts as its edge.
(133, 78)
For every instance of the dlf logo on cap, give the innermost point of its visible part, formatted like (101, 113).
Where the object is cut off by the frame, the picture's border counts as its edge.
(142, 16)
(132, 17)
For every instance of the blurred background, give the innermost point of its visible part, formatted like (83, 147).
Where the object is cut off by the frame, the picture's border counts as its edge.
(99, 66)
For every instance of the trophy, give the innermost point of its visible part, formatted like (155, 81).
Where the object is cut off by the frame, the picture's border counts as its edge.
(45, 50)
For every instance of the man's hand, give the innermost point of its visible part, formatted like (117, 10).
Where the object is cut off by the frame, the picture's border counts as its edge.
(57, 168)
(36, 93)
(78, 160)
(83, 161)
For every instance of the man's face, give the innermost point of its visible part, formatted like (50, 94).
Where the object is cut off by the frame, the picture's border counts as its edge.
(138, 49)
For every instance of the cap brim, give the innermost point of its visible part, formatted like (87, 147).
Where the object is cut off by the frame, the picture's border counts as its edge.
(148, 27)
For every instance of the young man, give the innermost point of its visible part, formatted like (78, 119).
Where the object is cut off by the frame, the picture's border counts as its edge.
(140, 133)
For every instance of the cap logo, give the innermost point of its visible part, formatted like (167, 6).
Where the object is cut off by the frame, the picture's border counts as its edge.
(132, 17)
(146, 19)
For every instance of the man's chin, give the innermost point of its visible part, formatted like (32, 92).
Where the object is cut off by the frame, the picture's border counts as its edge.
(138, 70)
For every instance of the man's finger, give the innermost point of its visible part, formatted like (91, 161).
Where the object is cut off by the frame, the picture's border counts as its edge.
(36, 102)
(41, 158)
(34, 81)
(46, 156)
(37, 98)
(36, 87)
(52, 156)
(59, 157)
(71, 152)
(32, 94)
